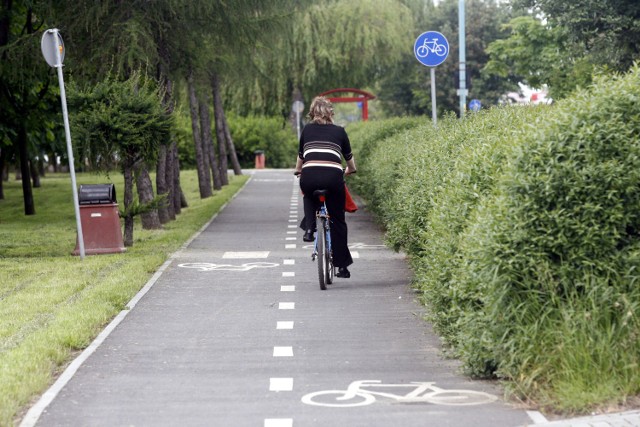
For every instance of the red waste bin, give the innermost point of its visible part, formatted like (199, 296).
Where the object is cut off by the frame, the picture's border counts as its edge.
(100, 220)
(259, 159)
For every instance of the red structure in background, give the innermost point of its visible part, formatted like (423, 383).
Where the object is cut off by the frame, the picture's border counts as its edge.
(363, 97)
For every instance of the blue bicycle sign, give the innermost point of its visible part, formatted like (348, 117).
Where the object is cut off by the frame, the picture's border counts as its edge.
(431, 48)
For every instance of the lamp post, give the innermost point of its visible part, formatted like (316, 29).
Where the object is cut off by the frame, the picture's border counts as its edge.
(462, 91)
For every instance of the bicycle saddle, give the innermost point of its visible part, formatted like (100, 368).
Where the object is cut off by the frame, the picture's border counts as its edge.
(320, 193)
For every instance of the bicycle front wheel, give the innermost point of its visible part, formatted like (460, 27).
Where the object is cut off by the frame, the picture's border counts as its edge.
(460, 397)
(321, 237)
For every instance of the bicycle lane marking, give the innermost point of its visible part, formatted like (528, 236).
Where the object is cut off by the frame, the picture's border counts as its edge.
(283, 384)
(358, 393)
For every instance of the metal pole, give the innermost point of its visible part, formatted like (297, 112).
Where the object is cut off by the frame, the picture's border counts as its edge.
(462, 92)
(65, 115)
(434, 116)
(298, 123)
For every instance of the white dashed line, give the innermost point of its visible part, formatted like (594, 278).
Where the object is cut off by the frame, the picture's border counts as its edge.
(278, 422)
(292, 226)
(290, 246)
(282, 351)
(288, 274)
(287, 306)
(289, 262)
(284, 324)
(290, 238)
(355, 254)
(280, 384)
(245, 255)
(290, 288)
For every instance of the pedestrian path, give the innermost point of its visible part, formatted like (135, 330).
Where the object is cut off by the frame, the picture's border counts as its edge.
(622, 419)
(234, 331)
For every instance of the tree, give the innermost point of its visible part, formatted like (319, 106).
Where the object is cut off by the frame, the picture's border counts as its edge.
(537, 55)
(123, 120)
(407, 90)
(333, 43)
(24, 86)
(607, 31)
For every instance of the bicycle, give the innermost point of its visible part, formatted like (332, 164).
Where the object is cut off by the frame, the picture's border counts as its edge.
(431, 46)
(322, 244)
(423, 392)
(322, 249)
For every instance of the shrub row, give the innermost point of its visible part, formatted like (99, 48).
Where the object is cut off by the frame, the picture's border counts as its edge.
(522, 226)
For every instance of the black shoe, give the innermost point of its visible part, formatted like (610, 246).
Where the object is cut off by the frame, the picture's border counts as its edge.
(343, 272)
(308, 236)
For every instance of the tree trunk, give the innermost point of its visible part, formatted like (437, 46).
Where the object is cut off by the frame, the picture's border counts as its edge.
(177, 191)
(204, 179)
(150, 220)
(207, 140)
(3, 155)
(218, 112)
(232, 149)
(40, 163)
(183, 200)
(161, 183)
(171, 210)
(207, 143)
(27, 193)
(35, 175)
(128, 202)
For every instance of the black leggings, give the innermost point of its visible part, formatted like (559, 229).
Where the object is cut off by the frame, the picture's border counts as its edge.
(332, 179)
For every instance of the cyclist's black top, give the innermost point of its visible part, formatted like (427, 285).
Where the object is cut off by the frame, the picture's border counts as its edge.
(324, 146)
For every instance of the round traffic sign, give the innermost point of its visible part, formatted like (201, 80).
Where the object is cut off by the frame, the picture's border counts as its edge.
(475, 105)
(298, 106)
(52, 41)
(431, 48)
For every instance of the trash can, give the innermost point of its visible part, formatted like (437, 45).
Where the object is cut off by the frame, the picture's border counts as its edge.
(259, 159)
(100, 220)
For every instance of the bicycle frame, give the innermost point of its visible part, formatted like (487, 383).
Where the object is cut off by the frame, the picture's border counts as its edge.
(355, 389)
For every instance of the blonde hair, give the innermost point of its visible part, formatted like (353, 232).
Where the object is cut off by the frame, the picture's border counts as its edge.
(321, 111)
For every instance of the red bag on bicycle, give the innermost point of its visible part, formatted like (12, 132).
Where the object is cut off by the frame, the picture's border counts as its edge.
(350, 205)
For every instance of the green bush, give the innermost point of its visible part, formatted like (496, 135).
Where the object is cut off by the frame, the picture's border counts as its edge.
(267, 134)
(377, 151)
(522, 226)
(460, 177)
(555, 253)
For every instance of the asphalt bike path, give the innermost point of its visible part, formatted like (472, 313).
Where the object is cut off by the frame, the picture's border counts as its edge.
(235, 331)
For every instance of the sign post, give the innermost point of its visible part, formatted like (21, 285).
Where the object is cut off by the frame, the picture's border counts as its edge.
(298, 107)
(53, 51)
(431, 49)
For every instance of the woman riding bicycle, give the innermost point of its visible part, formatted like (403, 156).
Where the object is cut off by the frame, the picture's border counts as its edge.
(323, 145)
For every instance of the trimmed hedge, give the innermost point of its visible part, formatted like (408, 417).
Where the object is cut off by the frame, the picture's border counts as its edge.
(522, 226)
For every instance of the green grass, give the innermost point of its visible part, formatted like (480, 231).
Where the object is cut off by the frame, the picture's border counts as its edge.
(53, 304)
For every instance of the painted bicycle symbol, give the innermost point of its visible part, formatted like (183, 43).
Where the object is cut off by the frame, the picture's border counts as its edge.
(431, 46)
(206, 266)
(359, 393)
(353, 246)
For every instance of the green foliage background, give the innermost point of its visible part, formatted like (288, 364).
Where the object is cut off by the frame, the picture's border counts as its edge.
(268, 134)
(522, 227)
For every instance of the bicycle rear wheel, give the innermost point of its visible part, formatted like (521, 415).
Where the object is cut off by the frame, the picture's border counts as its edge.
(321, 237)
(328, 253)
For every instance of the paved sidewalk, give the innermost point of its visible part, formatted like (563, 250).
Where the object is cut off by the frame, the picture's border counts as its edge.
(622, 419)
(233, 330)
